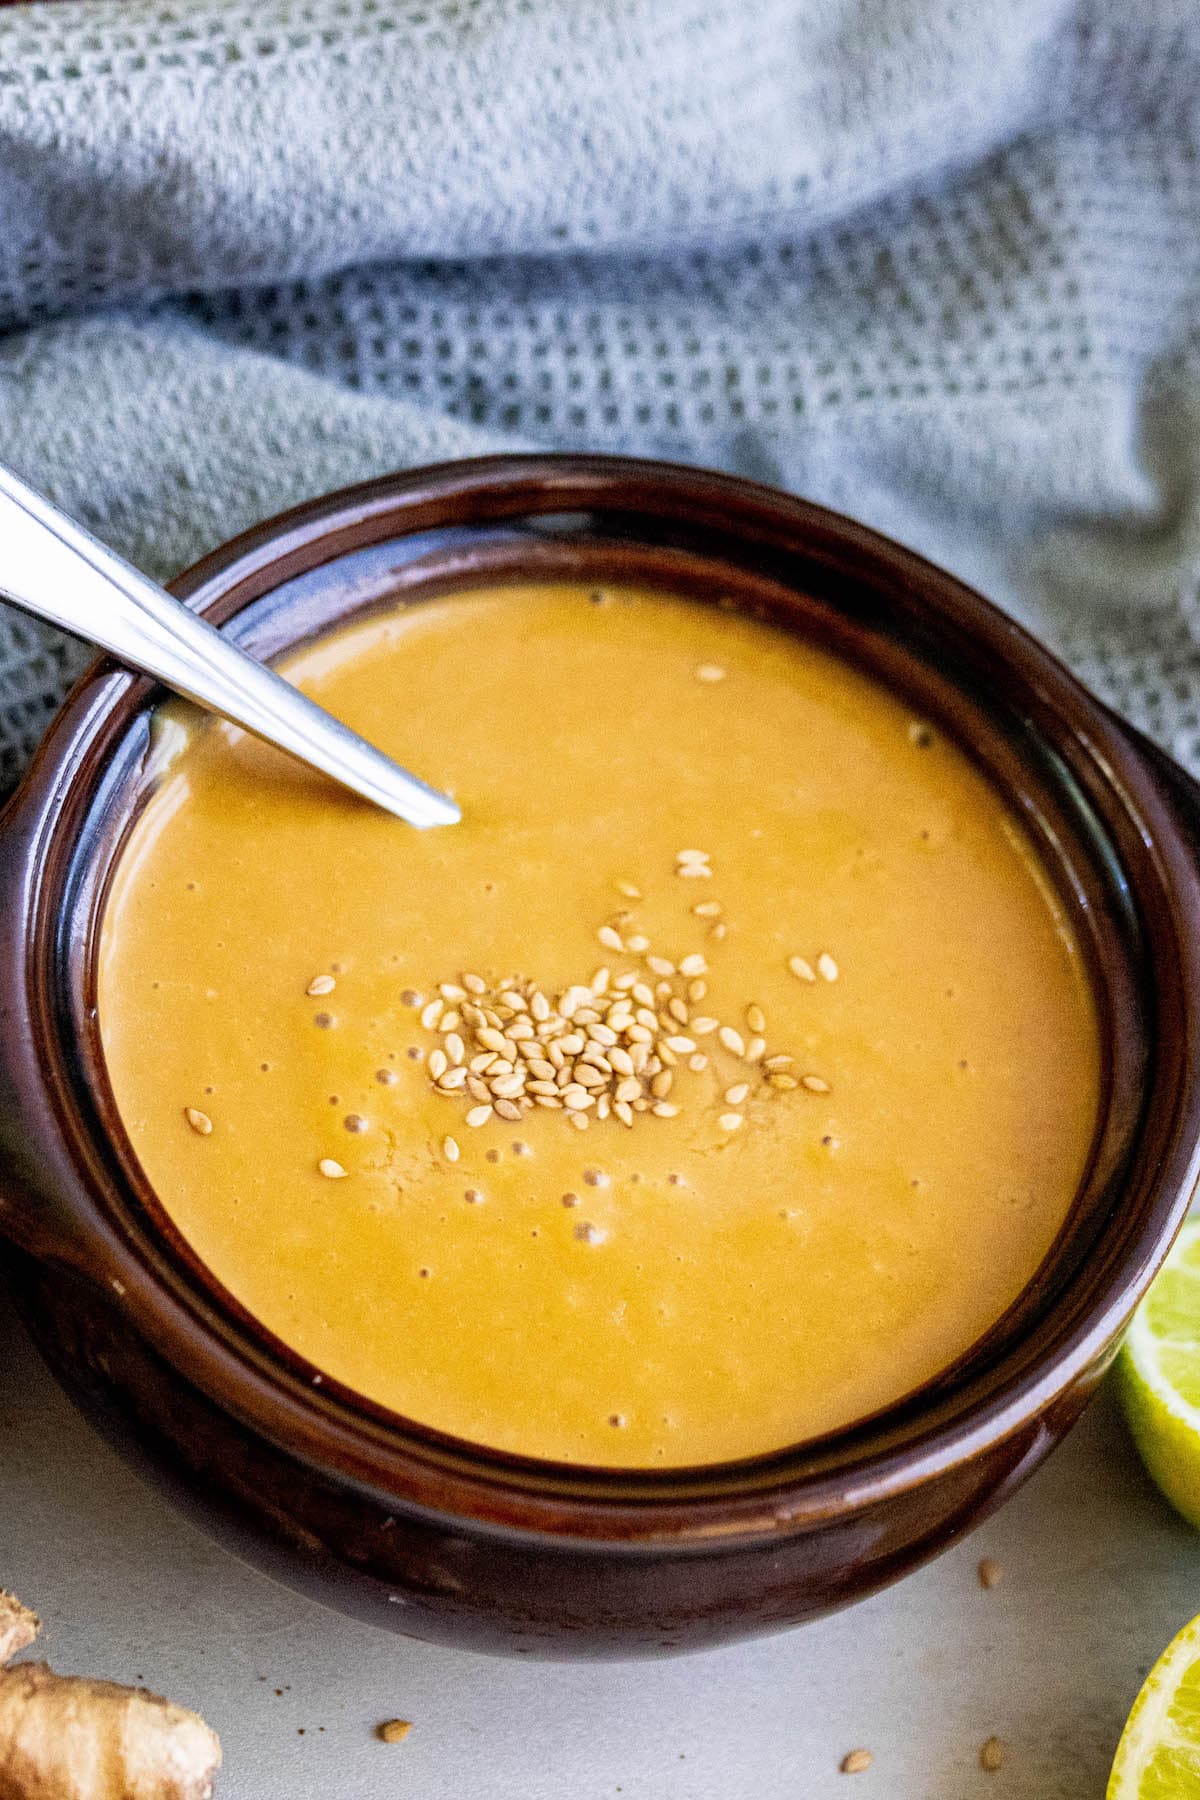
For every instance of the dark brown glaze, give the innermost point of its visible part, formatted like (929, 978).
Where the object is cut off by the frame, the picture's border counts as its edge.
(442, 1539)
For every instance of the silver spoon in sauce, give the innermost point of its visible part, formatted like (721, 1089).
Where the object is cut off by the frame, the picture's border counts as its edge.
(51, 567)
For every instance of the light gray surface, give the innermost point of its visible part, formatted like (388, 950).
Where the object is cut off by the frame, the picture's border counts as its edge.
(1098, 1575)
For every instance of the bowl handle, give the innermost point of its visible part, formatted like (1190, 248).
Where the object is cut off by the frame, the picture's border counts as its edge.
(1183, 789)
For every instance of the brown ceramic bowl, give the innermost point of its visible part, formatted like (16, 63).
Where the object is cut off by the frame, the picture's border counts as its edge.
(439, 1538)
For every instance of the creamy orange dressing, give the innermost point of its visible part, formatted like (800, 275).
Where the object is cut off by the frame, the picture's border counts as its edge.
(726, 1273)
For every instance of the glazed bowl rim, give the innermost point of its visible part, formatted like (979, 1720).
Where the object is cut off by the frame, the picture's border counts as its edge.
(512, 1493)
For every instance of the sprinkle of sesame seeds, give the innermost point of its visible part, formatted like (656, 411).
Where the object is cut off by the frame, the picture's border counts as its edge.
(333, 1171)
(321, 984)
(199, 1121)
(991, 1755)
(710, 672)
(827, 967)
(450, 1149)
(856, 1762)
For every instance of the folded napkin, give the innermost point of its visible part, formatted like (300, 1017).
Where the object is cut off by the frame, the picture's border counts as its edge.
(933, 263)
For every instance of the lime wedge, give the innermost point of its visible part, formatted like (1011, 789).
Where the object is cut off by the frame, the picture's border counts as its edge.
(1158, 1376)
(1158, 1757)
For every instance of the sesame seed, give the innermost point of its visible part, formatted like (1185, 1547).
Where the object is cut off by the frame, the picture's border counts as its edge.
(680, 1046)
(438, 1063)
(199, 1121)
(718, 931)
(479, 1115)
(630, 892)
(663, 1109)
(730, 1121)
(707, 909)
(693, 965)
(755, 1048)
(856, 1762)
(659, 965)
(991, 1755)
(814, 1084)
(801, 969)
(710, 672)
(732, 1040)
(321, 984)
(756, 1019)
(609, 938)
(474, 984)
(701, 1025)
(450, 990)
(991, 1573)
(450, 1149)
(637, 944)
(782, 1081)
(698, 1063)
(737, 1093)
(431, 1014)
(506, 1109)
(827, 967)
(333, 1171)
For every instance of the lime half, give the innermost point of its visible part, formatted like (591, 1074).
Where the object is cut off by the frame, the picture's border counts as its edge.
(1158, 1376)
(1158, 1757)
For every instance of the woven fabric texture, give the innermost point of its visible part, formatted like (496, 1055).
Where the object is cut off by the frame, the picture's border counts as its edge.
(934, 262)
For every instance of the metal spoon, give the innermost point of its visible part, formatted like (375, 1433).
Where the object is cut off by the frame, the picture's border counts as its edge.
(53, 568)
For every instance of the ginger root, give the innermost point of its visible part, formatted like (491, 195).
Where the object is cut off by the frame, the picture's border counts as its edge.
(64, 1737)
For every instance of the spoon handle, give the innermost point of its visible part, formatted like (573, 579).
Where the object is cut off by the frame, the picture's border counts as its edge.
(51, 567)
